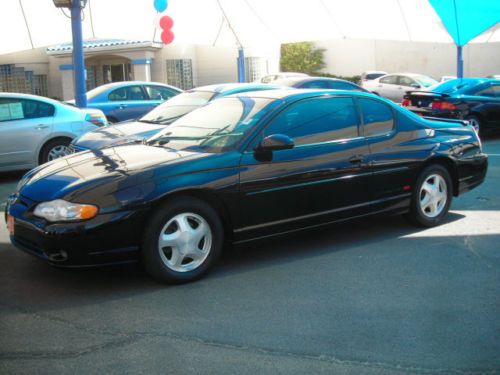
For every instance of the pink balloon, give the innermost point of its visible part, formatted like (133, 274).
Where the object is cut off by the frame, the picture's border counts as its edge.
(166, 22)
(167, 36)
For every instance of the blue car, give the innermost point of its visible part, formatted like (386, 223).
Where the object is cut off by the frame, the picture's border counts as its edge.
(121, 101)
(161, 116)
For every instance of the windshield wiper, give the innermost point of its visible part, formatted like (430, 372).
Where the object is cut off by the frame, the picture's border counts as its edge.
(150, 121)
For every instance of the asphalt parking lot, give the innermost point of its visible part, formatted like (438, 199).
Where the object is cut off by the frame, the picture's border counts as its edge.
(373, 296)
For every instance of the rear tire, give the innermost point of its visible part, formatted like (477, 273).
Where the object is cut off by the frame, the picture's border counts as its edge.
(476, 123)
(182, 241)
(54, 149)
(431, 198)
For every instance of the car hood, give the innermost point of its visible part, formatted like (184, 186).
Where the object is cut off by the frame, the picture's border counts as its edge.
(87, 172)
(116, 135)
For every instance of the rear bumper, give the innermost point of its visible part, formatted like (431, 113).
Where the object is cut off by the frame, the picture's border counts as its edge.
(429, 112)
(472, 172)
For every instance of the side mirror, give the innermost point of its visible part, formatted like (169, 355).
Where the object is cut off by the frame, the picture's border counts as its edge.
(275, 142)
(415, 85)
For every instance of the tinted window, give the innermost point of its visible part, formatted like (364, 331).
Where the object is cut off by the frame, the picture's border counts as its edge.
(496, 90)
(390, 80)
(315, 85)
(485, 91)
(18, 109)
(127, 93)
(316, 120)
(377, 117)
(159, 92)
(373, 75)
(339, 85)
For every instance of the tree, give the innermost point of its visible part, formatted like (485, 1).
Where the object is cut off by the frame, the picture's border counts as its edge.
(301, 57)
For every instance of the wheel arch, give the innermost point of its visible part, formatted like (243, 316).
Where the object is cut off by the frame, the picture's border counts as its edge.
(207, 196)
(450, 166)
(47, 141)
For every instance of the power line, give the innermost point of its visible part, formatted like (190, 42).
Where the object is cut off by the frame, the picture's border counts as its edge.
(91, 20)
(26, 23)
(229, 24)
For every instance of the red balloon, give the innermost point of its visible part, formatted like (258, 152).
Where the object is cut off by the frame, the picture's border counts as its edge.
(167, 37)
(166, 22)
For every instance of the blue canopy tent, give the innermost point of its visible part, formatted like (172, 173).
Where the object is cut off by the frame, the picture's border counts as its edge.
(466, 19)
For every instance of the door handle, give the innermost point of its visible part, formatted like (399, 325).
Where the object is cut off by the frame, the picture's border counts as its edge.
(357, 159)
(41, 127)
(121, 106)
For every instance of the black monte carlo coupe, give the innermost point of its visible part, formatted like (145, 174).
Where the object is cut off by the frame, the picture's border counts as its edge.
(243, 167)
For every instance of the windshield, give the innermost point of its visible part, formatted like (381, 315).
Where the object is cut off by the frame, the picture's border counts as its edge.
(453, 86)
(178, 106)
(97, 91)
(216, 127)
(425, 81)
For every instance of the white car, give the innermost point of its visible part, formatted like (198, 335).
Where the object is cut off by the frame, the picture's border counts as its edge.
(34, 129)
(282, 75)
(394, 86)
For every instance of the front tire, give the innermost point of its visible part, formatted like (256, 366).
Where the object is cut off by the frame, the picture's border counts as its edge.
(182, 241)
(431, 197)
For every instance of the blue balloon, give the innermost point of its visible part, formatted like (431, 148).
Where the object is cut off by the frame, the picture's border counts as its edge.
(161, 5)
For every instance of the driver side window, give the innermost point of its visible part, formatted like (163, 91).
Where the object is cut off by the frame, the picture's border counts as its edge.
(316, 120)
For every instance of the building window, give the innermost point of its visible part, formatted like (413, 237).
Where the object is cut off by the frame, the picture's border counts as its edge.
(255, 68)
(16, 79)
(180, 73)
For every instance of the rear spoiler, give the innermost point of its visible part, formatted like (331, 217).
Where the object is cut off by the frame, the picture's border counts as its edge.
(428, 93)
(440, 119)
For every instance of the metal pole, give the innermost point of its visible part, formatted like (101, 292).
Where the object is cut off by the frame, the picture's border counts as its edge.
(78, 60)
(460, 63)
(241, 65)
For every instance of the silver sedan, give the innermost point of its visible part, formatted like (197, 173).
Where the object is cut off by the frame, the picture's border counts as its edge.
(35, 130)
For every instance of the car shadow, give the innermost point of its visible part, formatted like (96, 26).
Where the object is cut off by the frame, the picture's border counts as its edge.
(27, 281)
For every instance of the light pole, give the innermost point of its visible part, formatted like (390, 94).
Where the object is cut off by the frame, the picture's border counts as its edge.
(76, 7)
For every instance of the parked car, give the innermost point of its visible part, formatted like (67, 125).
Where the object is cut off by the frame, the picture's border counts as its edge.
(319, 83)
(34, 129)
(370, 75)
(121, 101)
(282, 75)
(241, 168)
(474, 99)
(394, 86)
(161, 116)
(446, 78)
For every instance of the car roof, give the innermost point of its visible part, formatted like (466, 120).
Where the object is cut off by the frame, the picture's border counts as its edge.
(134, 83)
(233, 88)
(287, 94)
(29, 96)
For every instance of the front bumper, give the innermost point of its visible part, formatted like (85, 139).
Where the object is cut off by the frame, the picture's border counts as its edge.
(106, 239)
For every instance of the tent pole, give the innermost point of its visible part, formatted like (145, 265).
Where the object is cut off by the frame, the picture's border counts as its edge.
(241, 65)
(460, 63)
(78, 61)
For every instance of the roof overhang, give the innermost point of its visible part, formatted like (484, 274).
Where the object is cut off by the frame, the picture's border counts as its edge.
(115, 45)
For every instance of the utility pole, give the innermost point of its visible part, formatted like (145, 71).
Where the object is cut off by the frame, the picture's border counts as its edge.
(76, 7)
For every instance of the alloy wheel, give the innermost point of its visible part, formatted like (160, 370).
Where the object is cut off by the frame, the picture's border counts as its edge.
(185, 242)
(57, 152)
(433, 195)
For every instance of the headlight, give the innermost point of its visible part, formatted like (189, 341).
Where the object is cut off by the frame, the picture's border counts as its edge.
(60, 210)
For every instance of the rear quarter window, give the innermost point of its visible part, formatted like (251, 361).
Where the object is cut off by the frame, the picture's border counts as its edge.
(378, 117)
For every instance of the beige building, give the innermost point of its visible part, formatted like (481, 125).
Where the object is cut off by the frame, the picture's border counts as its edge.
(49, 71)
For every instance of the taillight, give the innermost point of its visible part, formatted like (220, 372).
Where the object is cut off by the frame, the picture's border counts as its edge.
(96, 119)
(443, 106)
(406, 102)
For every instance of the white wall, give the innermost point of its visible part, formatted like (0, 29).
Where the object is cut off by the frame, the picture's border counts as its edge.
(216, 65)
(348, 57)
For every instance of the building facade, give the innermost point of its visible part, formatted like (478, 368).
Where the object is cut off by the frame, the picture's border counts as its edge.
(49, 71)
